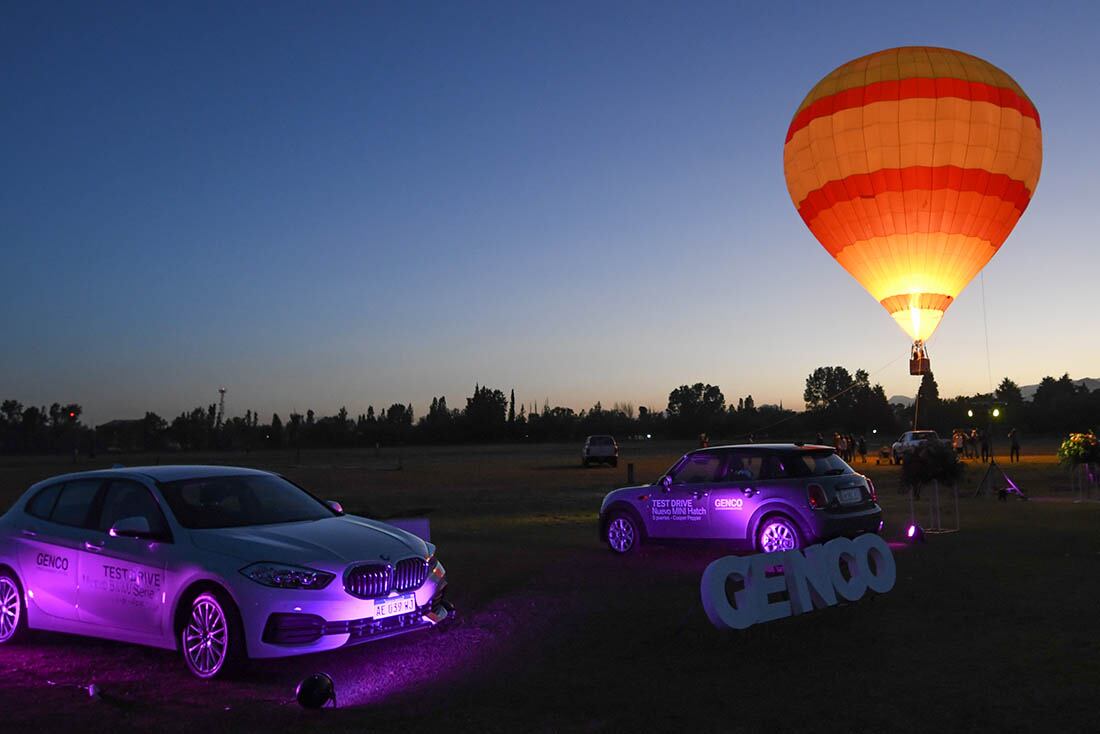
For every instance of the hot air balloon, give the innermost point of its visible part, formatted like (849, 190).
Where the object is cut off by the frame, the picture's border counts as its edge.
(911, 166)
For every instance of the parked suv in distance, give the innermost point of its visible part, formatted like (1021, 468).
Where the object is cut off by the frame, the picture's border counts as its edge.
(911, 441)
(763, 497)
(600, 450)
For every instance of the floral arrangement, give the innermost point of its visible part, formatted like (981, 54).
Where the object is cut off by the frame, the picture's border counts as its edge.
(1080, 448)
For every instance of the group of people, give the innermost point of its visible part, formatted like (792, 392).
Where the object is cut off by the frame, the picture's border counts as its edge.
(967, 445)
(847, 446)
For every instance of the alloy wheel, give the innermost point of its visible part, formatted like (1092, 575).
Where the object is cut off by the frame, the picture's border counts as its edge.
(206, 637)
(10, 609)
(620, 535)
(778, 536)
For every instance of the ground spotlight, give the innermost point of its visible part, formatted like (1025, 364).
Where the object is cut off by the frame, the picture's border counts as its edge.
(914, 534)
(315, 691)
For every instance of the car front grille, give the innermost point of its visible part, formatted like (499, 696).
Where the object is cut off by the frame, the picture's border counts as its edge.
(369, 580)
(372, 580)
(409, 574)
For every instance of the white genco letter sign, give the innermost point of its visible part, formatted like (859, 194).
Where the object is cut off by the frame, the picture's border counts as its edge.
(812, 579)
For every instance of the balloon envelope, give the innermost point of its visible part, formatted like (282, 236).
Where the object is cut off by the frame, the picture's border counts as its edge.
(911, 166)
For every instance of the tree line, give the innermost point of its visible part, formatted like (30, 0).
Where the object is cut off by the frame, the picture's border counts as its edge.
(836, 400)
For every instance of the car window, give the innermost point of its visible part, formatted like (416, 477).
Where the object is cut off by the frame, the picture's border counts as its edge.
(813, 464)
(41, 505)
(241, 500)
(775, 467)
(130, 499)
(698, 468)
(742, 465)
(74, 504)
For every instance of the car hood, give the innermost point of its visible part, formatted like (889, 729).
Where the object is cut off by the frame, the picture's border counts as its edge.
(339, 540)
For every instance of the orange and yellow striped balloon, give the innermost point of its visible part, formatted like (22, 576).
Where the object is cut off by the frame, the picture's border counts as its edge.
(911, 166)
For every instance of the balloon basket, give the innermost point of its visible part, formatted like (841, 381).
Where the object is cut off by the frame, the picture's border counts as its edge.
(919, 363)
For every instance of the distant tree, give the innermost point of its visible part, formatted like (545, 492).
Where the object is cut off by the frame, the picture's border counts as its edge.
(399, 415)
(927, 408)
(485, 417)
(928, 389)
(275, 433)
(696, 408)
(1009, 392)
(831, 397)
(152, 431)
(294, 429)
(512, 409)
(55, 415)
(824, 385)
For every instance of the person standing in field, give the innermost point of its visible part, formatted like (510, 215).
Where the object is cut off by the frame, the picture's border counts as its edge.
(972, 444)
(986, 453)
(863, 449)
(958, 442)
(1014, 452)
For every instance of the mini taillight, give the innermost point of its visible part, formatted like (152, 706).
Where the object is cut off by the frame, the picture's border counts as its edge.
(816, 495)
(871, 489)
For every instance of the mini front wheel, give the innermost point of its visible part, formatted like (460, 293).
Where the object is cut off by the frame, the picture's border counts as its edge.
(622, 534)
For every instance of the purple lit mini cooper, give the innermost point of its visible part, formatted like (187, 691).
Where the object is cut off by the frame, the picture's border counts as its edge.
(222, 564)
(762, 497)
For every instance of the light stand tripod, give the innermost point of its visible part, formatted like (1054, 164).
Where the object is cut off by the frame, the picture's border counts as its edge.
(988, 480)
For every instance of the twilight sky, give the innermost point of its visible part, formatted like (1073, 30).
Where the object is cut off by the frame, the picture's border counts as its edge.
(332, 204)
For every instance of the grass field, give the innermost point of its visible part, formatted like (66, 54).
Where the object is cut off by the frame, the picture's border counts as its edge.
(993, 628)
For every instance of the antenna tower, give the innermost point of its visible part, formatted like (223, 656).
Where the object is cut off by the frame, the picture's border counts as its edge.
(221, 407)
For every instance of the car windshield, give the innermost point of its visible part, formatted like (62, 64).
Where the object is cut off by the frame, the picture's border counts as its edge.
(240, 501)
(923, 435)
(600, 441)
(812, 464)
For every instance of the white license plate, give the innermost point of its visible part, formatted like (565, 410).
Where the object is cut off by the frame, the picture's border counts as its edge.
(850, 496)
(392, 607)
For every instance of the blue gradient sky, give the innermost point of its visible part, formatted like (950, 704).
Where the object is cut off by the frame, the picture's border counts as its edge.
(375, 203)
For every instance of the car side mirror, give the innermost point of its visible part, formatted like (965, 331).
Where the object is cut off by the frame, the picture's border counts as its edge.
(335, 506)
(666, 482)
(133, 527)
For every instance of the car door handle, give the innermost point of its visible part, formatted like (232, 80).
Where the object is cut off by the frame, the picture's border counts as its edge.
(30, 533)
(93, 547)
(748, 491)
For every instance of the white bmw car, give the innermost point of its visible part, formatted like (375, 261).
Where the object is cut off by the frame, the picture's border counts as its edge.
(223, 564)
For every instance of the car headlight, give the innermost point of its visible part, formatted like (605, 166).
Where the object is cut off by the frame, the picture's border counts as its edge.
(285, 576)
